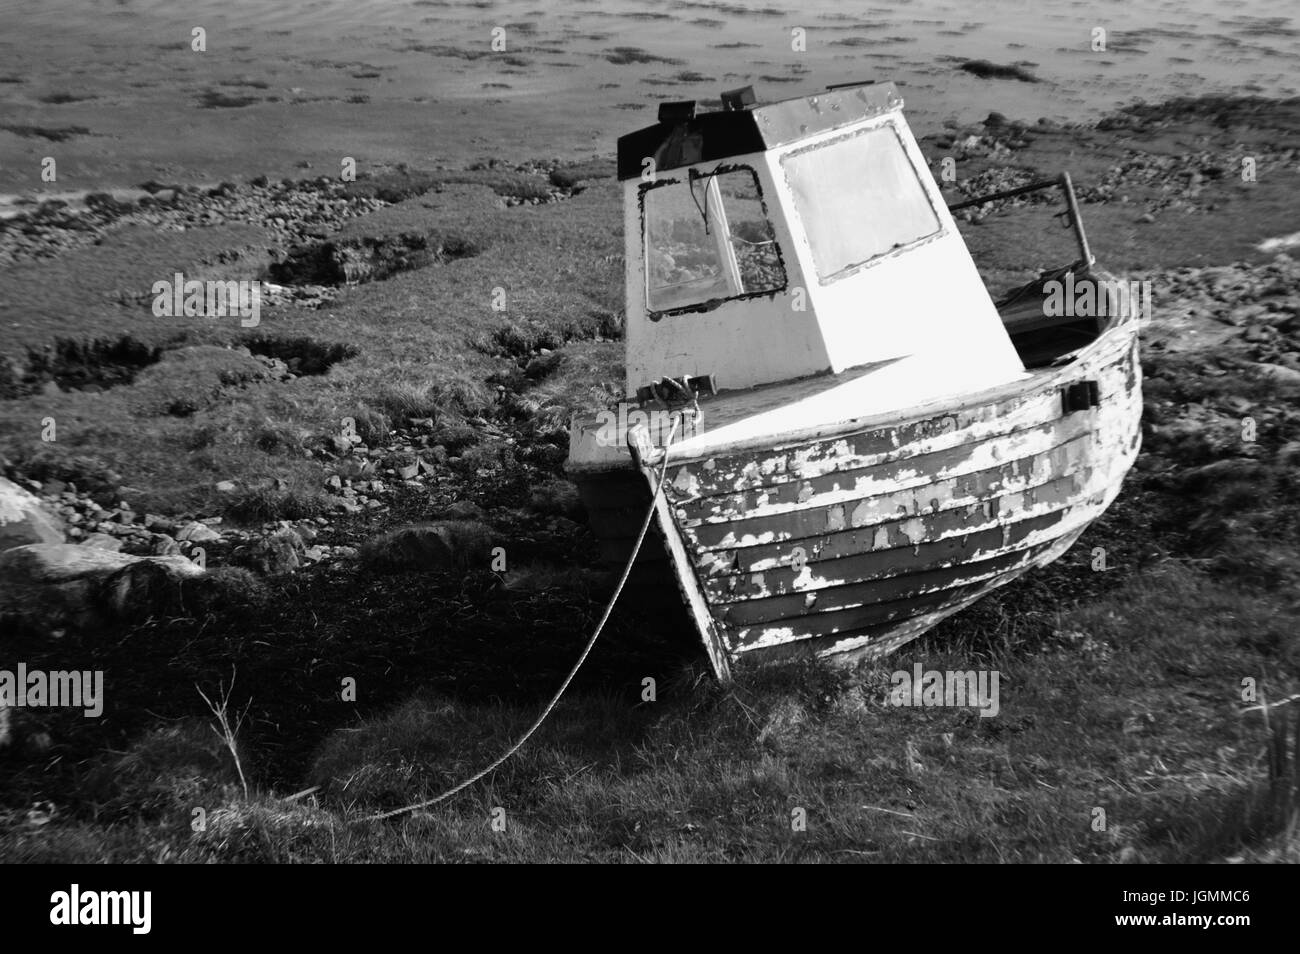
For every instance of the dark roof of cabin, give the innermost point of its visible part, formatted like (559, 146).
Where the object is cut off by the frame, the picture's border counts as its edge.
(735, 132)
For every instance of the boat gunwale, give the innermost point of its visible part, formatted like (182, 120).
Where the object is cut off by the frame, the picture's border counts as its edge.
(1110, 338)
(1081, 439)
(1119, 336)
(1046, 430)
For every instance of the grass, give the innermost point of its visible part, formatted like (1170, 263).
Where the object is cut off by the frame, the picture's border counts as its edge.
(705, 773)
(1125, 692)
(409, 346)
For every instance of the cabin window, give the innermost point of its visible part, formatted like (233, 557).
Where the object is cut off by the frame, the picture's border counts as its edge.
(858, 197)
(708, 239)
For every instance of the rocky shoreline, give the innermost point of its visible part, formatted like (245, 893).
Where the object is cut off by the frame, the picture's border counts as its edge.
(1251, 311)
(302, 217)
(294, 211)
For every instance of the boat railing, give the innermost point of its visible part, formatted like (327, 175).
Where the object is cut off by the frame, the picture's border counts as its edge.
(1062, 182)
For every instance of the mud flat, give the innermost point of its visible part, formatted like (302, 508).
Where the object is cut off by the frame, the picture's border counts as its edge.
(121, 96)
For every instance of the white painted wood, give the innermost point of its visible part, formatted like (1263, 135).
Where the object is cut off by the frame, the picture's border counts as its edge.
(741, 343)
(642, 454)
(923, 303)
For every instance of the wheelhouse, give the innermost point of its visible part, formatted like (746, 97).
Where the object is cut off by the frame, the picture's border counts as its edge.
(768, 243)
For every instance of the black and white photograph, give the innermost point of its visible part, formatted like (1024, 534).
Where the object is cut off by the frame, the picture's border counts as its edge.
(527, 432)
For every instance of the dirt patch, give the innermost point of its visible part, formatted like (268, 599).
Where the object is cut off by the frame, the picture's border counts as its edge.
(570, 175)
(986, 70)
(59, 99)
(367, 259)
(627, 55)
(52, 133)
(301, 355)
(77, 365)
(215, 99)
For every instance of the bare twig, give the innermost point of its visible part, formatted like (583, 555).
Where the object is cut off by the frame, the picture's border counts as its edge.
(225, 732)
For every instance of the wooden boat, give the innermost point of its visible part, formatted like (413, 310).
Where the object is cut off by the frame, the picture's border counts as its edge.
(857, 441)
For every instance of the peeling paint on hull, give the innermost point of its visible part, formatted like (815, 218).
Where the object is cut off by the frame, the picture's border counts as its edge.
(855, 540)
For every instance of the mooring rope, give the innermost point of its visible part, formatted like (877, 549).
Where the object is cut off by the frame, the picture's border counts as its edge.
(609, 608)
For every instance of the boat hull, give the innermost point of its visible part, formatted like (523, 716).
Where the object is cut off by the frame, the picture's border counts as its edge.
(856, 538)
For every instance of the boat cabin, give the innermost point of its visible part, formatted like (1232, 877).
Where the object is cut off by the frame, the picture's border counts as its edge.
(767, 243)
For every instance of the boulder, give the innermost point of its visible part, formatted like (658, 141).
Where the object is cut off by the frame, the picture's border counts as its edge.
(162, 545)
(158, 524)
(23, 520)
(1286, 378)
(58, 586)
(275, 554)
(447, 545)
(195, 532)
(147, 586)
(306, 530)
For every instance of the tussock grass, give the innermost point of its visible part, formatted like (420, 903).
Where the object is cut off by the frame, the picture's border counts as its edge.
(372, 426)
(406, 400)
(452, 395)
(165, 771)
(268, 503)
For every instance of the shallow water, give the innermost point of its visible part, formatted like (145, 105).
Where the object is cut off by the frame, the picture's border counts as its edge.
(287, 83)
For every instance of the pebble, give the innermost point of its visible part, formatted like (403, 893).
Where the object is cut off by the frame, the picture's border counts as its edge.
(197, 532)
